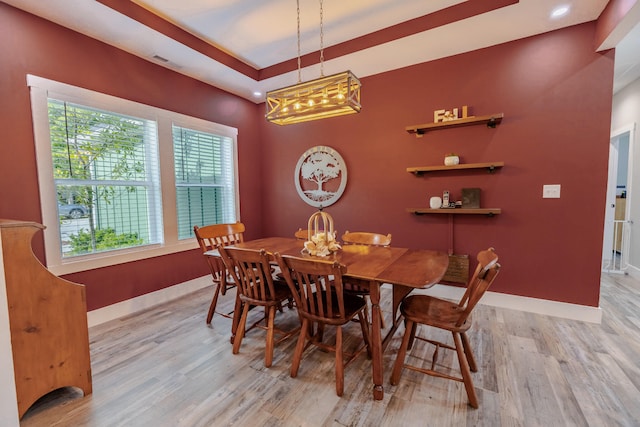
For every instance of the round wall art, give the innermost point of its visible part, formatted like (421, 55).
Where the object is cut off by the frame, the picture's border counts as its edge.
(321, 176)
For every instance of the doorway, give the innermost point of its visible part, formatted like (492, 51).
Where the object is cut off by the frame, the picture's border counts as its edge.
(616, 242)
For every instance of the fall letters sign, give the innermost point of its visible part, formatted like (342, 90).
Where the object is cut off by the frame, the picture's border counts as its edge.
(448, 115)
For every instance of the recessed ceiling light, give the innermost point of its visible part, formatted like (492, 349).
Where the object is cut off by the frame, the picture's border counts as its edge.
(559, 11)
(257, 93)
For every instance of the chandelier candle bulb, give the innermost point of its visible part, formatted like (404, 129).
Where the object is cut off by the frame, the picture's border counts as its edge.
(329, 96)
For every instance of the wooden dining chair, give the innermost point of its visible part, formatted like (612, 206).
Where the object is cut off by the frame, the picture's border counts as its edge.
(317, 290)
(251, 272)
(448, 316)
(211, 237)
(301, 234)
(360, 287)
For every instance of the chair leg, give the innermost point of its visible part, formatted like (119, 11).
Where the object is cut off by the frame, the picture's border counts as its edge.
(366, 312)
(268, 353)
(339, 363)
(241, 327)
(214, 302)
(223, 289)
(402, 352)
(469, 353)
(320, 332)
(412, 337)
(297, 355)
(466, 373)
(236, 312)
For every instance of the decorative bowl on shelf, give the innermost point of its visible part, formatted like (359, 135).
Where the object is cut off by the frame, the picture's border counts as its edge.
(451, 159)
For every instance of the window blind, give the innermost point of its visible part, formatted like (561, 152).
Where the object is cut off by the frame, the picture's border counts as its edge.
(205, 179)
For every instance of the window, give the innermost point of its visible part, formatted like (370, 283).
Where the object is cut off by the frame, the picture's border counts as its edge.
(121, 181)
(204, 183)
(105, 170)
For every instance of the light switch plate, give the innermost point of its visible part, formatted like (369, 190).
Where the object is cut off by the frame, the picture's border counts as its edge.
(551, 191)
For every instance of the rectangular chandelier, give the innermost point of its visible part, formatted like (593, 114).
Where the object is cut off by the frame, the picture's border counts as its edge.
(329, 96)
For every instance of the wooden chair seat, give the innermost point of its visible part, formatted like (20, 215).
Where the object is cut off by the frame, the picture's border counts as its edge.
(431, 311)
(449, 316)
(352, 305)
(281, 293)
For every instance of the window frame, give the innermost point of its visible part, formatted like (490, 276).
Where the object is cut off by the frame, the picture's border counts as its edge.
(40, 90)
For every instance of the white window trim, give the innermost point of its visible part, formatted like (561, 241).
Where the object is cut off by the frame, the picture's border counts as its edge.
(41, 89)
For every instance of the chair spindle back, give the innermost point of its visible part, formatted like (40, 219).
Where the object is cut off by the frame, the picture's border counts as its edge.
(316, 286)
(483, 276)
(366, 238)
(251, 271)
(215, 235)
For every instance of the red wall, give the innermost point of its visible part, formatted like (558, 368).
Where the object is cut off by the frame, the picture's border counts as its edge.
(554, 90)
(556, 95)
(34, 46)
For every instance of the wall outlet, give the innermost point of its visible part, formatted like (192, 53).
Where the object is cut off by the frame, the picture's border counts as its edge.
(551, 191)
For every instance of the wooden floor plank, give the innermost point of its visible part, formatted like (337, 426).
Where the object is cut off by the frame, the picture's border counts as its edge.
(165, 367)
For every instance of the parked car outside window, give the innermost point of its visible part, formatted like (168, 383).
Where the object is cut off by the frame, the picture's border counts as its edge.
(72, 211)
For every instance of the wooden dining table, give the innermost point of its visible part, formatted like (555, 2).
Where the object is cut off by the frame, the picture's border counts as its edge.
(405, 269)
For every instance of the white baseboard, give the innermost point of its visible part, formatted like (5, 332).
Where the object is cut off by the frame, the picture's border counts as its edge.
(515, 302)
(633, 271)
(143, 302)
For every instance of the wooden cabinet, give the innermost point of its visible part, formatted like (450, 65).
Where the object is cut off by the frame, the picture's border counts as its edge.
(47, 321)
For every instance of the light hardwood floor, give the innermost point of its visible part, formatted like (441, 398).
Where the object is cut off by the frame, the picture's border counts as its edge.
(165, 367)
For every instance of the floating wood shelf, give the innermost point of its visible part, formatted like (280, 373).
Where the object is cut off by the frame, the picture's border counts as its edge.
(490, 166)
(491, 121)
(456, 211)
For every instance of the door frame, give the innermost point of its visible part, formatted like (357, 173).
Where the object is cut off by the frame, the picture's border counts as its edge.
(608, 234)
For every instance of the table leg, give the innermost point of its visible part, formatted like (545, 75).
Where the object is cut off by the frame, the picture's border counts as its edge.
(376, 341)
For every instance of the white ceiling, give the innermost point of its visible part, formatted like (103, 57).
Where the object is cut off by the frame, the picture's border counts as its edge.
(262, 33)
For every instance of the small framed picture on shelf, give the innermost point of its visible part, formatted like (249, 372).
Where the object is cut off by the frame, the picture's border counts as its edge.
(471, 198)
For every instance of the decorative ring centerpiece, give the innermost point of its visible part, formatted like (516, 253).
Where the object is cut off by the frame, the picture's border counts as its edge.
(321, 238)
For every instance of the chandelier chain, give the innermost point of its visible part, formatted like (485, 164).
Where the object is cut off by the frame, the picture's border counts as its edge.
(298, 12)
(321, 41)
